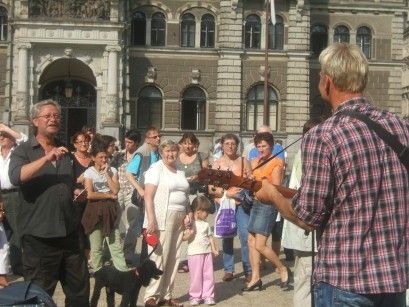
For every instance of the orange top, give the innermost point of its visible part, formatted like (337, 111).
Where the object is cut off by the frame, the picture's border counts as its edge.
(266, 170)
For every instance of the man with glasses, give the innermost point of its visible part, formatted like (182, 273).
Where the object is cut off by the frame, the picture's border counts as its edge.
(47, 221)
(145, 156)
(9, 139)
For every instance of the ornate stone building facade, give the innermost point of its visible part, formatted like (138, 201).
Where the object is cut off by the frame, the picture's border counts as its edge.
(185, 65)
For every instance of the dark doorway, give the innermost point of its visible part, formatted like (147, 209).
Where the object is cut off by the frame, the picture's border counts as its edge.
(78, 106)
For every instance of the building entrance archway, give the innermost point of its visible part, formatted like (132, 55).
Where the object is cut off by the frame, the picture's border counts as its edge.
(71, 83)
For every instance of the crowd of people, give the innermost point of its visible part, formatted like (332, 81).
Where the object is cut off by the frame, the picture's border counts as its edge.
(65, 213)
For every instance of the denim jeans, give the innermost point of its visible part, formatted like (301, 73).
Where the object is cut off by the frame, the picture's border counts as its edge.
(242, 220)
(326, 295)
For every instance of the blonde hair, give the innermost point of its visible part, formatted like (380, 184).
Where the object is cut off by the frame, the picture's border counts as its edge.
(346, 65)
(169, 144)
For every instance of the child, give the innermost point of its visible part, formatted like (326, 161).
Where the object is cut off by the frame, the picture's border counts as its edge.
(101, 216)
(201, 245)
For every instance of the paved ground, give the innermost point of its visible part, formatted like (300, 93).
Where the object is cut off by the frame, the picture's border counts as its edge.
(227, 293)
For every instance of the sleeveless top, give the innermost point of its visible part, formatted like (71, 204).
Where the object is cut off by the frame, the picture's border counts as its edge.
(194, 167)
(266, 170)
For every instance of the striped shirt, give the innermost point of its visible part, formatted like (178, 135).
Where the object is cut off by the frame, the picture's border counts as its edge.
(355, 190)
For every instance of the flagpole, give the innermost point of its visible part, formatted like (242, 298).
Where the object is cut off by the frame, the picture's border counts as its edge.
(265, 105)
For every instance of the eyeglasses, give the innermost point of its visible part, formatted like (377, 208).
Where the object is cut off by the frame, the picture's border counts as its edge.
(49, 116)
(155, 136)
(82, 142)
(230, 144)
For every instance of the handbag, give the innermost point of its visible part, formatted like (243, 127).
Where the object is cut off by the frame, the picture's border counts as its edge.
(246, 200)
(225, 223)
(137, 199)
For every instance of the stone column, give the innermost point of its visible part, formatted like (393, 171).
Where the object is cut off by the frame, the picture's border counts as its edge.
(111, 114)
(21, 113)
(229, 68)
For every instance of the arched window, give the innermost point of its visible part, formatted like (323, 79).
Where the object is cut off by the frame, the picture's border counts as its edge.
(188, 29)
(149, 108)
(138, 29)
(319, 39)
(207, 31)
(3, 24)
(158, 29)
(363, 40)
(193, 109)
(255, 107)
(276, 34)
(341, 34)
(252, 32)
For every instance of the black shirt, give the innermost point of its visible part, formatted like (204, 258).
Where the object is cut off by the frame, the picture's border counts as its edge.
(47, 209)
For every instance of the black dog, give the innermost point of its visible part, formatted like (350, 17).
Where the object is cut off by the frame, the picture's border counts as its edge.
(126, 283)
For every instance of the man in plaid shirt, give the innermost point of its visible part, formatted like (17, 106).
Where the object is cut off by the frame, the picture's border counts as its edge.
(354, 190)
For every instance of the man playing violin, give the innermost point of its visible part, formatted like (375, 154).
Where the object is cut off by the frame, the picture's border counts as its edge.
(354, 190)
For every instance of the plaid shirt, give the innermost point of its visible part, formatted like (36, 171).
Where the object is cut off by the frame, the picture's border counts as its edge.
(355, 189)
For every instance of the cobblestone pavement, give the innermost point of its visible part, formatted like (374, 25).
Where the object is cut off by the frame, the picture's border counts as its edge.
(227, 293)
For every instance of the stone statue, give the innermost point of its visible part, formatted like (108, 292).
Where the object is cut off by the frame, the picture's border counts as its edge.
(91, 9)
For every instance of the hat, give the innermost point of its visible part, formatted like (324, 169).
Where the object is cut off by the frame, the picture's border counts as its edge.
(150, 239)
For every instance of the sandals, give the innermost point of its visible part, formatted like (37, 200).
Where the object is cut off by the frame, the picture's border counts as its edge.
(183, 268)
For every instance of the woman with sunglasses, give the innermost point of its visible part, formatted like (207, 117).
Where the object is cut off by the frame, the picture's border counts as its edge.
(81, 161)
(232, 161)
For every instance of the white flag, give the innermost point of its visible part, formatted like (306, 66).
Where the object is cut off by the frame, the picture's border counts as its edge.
(272, 12)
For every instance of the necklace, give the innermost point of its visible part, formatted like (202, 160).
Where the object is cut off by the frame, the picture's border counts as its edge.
(79, 157)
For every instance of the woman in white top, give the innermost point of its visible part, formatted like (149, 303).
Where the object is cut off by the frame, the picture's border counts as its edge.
(167, 210)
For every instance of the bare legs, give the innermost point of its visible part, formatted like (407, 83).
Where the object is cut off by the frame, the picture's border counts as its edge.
(257, 245)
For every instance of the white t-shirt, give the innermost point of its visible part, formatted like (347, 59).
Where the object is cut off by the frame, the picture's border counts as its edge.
(177, 183)
(99, 181)
(200, 242)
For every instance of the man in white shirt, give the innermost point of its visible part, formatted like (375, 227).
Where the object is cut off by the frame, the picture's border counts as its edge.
(9, 139)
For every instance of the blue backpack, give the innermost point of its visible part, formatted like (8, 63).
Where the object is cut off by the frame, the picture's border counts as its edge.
(27, 294)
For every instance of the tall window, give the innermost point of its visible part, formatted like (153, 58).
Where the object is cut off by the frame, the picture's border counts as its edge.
(149, 108)
(276, 34)
(363, 40)
(188, 29)
(341, 34)
(193, 109)
(3, 24)
(207, 31)
(138, 29)
(158, 29)
(252, 32)
(255, 107)
(319, 39)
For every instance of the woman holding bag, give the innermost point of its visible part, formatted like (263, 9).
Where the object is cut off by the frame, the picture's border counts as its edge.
(232, 161)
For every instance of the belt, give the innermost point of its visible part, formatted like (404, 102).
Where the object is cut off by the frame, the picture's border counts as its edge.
(6, 191)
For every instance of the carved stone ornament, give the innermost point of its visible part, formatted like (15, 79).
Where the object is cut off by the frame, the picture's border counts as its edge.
(261, 71)
(111, 114)
(68, 52)
(234, 7)
(151, 75)
(195, 76)
(90, 9)
(234, 4)
(21, 113)
(87, 59)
